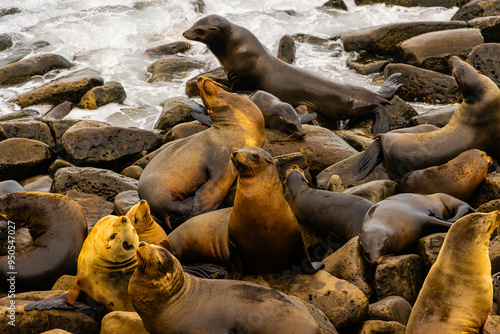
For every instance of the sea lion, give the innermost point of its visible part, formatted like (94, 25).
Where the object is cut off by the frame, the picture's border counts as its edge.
(459, 177)
(58, 228)
(147, 229)
(395, 224)
(259, 234)
(183, 180)
(261, 70)
(325, 211)
(457, 293)
(474, 124)
(170, 301)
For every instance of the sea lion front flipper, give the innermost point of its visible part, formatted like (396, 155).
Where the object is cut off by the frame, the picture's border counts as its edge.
(390, 86)
(368, 160)
(203, 119)
(460, 211)
(211, 193)
(304, 118)
(234, 266)
(302, 263)
(381, 120)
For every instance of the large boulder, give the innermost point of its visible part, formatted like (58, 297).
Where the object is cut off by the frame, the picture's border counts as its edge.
(218, 75)
(30, 129)
(413, 3)
(477, 8)
(486, 59)
(169, 67)
(177, 110)
(110, 92)
(489, 26)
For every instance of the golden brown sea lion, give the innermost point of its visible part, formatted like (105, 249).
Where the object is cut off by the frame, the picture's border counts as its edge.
(170, 301)
(474, 124)
(147, 229)
(457, 294)
(395, 224)
(191, 176)
(459, 177)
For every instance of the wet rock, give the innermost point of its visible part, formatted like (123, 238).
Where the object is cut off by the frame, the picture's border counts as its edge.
(494, 253)
(433, 50)
(97, 144)
(168, 49)
(477, 8)
(344, 170)
(487, 191)
(199, 6)
(30, 129)
(379, 326)
(23, 70)
(413, 3)
(40, 183)
(97, 181)
(335, 184)
(59, 111)
(336, 4)
(486, 59)
(428, 249)
(111, 92)
(365, 63)
(374, 191)
(65, 283)
(399, 276)
(420, 85)
(22, 158)
(122, 322)
(342, 302)
(94, 207)
(216, 74)
(183, 130)
(347, 263)
(69, 88)
(490, 28)
(169, 67)
(23, 52)
(5, 42)
(286, 49)
(438, 117)
(27, 113)
(133, 172)
(125, 200)
(384, 40)
(393, 308)
(320, 146)
(176, 110)
(489, 206)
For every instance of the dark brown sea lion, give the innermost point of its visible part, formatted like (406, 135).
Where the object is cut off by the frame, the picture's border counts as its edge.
(395, 224)
(474, 124)
(250, 66)
(259, 234)
(459, 177)
(325, 211)
(457, 294)
(170, 301)
(58, 228)
(191, 176)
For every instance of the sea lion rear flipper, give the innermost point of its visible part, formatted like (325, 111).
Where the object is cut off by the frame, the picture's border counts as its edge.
(234, 266)
(460, 211)
(202, 271)
(203, 119)
(304, 118)
(368, 160)
(390, 86)
(381, 120)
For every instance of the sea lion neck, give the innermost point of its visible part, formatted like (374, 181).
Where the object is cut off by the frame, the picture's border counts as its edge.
(296, 183)
(125, 266)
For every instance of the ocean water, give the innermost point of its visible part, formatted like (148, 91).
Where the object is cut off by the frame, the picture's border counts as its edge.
(111, 36)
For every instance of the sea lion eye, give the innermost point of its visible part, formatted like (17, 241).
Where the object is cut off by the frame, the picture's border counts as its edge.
(198, 30)
(255, 156)
(112, 236)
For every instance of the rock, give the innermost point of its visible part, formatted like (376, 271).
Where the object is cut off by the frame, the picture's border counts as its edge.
(23, 52)
(286, 49)
(360, 139)
(379, 327)
(487, 191)
(335, 184)
(477, 8)
(486, 59)
(41, 183)
(399, 276)
(492, 325)
(10, 186)
(111, 92)
(122, 322)
(125, 200)
(59, 111)
(5, 42)
(374, 191)
(393, 308)
(40, 321)
(336, 4)
(97, 144)
(168, 49)
(420, 85)
(320, 146)
(9, 11)
(30, 129)
(489, 206)
(23, 70)
(383, 40)
(344, 170)
(216, 74)
(490, 28)
(176, 110)
(56, 331)
(69, 88)
(428, 249)
(342, 302)
(413, 3)
(57, 164)
(22, 158)
(27, 113)
(365, 63)
(100, 182)
(183, 130)
(494, 252)
(199, 6)
(438, 117)
(133, 172)
(347, 263)
(94, 207)
(169, 67)
(58, 128)
(433, 50)
(65, 283)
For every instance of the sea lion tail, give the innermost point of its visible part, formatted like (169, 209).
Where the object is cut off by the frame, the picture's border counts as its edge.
(390, 86)
(368, 160)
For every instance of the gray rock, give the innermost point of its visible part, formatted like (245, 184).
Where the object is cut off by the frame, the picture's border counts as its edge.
(428, 249)
(374, 191)
(487, 191)
(169, 67)
(492, 325)
(10, 186)
(486, 59)
(168, 49)
(216, 74)
(336, 4)
(477, 8)
(59, 111)
(22, 52)
(176, 110)
(438, 117)
(30, 129)
(393, 308)
(58, 128)
(490, 28)
(5, 42)
(94, 207)
(366, 63)
(413, 3)
(122, 322)
(125, 200)
(41, 183)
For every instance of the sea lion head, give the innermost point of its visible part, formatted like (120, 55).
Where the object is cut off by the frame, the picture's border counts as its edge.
(115, 239)
(375, 243)
(474, 226)
(140, 215)
(288, 121)
(251, 161)
(211, 29)
(295, 173)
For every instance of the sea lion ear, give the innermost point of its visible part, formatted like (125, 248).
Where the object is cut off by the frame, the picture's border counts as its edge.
(214, 29)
